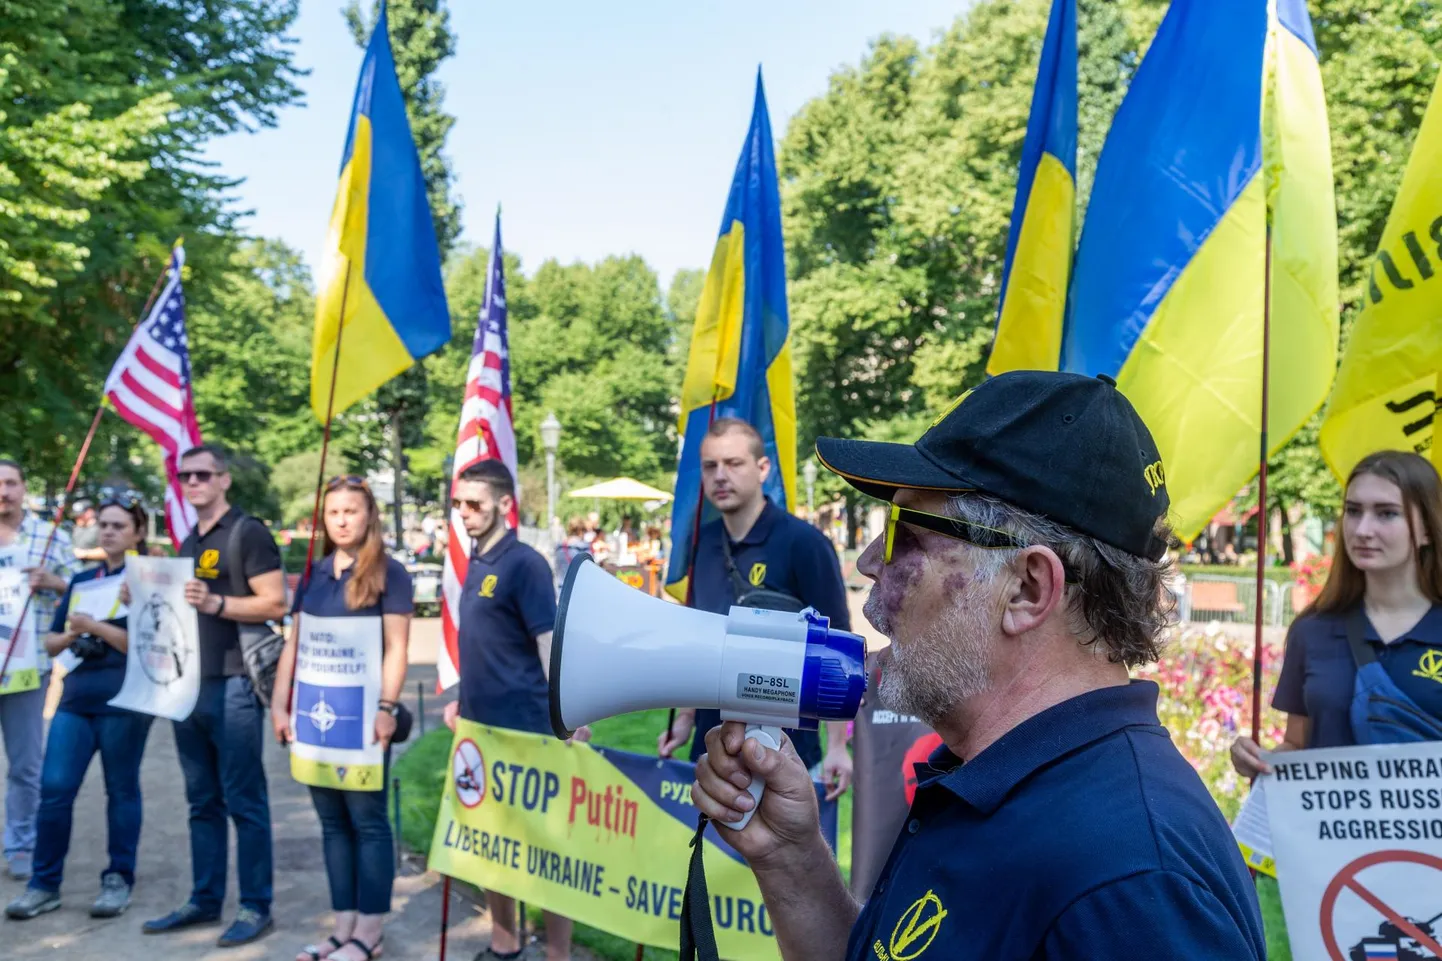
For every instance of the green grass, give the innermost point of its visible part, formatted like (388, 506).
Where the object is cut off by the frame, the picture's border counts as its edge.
(422, 771)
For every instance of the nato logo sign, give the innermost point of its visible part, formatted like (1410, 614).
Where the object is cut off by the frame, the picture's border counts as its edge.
(328, 716)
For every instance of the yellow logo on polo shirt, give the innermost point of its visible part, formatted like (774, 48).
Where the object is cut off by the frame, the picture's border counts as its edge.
(488, 586)
(1430, 666)
(205, 567)
(915, 929)
(758, 575)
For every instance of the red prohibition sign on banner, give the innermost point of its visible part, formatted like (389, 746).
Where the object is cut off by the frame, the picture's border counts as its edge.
(1347, 878)
(468, 769)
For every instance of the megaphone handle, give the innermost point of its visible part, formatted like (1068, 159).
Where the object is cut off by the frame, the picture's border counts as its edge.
(768, 736)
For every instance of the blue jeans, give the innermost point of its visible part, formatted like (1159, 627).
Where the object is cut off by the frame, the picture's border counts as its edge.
(22, 721)
(220, 747)
(73, 741)
(359, 852)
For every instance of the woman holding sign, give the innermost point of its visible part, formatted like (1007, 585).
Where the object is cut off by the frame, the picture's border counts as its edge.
(90, 624)
(1363, 664)
(336, 701)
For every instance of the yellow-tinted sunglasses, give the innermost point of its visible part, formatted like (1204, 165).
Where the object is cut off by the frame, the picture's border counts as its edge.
(976, 535)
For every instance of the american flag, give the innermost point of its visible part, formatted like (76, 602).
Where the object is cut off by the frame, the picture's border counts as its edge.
(486, 433)
(149, 386)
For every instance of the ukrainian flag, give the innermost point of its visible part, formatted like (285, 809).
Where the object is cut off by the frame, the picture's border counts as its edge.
(1223, 134)
(740, 360)
(1040, 243)
(1387, 388)
(380, 282)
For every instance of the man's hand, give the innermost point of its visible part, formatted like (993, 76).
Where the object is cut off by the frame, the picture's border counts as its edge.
(449, 715)
(43, 580)
(836, 772)
(673, 740)
(280, 721)
(198, 596)
(124, 594)
(788, 817)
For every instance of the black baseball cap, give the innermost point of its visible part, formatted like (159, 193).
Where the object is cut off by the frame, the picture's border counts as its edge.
(1065, 446)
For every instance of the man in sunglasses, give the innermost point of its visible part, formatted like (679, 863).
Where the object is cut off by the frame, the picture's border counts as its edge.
(1020, 576)
(238, 580)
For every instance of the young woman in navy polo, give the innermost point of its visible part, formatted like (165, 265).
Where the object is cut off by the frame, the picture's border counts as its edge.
(84, 723)
(354, 578)
(1386, 587)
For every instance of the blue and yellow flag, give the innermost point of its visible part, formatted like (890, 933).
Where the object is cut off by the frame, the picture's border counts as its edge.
(380, 281)
(1040, 243)
(1388, 385)
(1222, 134)
(740, 360)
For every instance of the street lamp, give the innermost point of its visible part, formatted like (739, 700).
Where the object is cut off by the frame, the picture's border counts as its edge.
(809, 472)
(550, 440)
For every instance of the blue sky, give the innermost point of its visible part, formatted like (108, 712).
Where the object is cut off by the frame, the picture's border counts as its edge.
(602, 128)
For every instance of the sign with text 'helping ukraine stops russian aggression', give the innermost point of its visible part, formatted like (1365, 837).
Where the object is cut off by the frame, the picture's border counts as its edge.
(599, 836)
(1357, 837)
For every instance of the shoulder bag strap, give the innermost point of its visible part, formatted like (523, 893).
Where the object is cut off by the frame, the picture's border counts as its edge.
(698, 937)
(1362, 652)
(739, 587)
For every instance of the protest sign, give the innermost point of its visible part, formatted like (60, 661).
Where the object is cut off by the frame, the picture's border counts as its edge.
(333, 710)
(1357, 836)
(887, 746)
(21, 641)
(162, 667)
(98, 598)
(599, 836)
(1254, 833)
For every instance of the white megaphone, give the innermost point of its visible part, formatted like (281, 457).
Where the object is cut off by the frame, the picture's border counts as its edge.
(617, 650)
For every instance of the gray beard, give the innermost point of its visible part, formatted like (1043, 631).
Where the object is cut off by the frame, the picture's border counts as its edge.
(934, 672)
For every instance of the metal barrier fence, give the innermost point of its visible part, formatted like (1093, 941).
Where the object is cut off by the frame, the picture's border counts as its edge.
(1216, 597)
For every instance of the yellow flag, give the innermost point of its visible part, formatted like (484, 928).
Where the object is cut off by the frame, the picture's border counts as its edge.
(1387, 389)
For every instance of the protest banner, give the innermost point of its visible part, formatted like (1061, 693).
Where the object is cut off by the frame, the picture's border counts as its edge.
(596, 835)
(333, 710)
(887, 747)
(22, 673)
(1357, 836)
(162, 667)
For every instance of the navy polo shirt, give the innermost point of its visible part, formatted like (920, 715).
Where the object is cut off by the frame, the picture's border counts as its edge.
(507, 602)
(783, 553)
(1318, 673)
(95, 680)
(325, 594)
(1081, 833)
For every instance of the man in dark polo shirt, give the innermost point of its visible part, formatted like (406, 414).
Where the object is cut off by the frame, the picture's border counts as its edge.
(771, 550)
(238, 580)
(1019, 577)
(507, 613)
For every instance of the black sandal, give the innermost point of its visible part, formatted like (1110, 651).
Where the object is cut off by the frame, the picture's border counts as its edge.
(493, 953)
(369, 951)
(314, 952)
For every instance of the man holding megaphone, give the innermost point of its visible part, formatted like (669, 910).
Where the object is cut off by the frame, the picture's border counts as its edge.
(1019, 577)
(757, 555)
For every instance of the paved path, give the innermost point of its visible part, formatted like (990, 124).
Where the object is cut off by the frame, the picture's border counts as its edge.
(302, 900)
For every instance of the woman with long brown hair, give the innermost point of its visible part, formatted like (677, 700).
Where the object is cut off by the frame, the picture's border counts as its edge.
(355, 579)
(1363, 663)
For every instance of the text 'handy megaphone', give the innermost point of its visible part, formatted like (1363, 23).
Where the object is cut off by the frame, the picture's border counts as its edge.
(616, 650)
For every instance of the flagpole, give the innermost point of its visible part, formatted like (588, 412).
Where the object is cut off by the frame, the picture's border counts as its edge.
(325, 437)
(70, 487)
(1262, 511)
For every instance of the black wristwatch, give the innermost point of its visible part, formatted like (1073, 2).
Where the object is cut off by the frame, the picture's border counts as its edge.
(390, 707)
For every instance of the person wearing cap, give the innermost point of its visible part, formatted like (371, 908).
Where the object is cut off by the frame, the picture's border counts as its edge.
(1019, 578)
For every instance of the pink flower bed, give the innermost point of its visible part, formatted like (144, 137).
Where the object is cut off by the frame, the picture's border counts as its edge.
(1205, 677)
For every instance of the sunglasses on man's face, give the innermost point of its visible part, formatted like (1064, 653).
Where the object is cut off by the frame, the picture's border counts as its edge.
(988, 538)
(198, 476)
(475, 507)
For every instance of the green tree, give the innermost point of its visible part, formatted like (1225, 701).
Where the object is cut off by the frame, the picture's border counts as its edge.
(119, 98)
